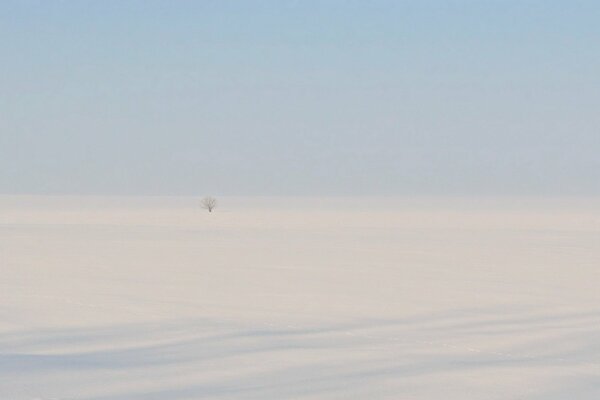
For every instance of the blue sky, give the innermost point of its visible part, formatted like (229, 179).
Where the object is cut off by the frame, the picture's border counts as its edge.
(300, 97)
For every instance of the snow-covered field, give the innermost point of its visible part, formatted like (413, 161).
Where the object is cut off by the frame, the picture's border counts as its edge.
(290, 298)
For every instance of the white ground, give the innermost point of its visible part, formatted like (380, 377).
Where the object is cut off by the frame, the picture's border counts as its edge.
(121, 298)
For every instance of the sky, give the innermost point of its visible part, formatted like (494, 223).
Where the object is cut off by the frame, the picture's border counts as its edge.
(300, 97)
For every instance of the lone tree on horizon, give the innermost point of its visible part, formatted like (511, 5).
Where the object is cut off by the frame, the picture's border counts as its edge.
(208, 203)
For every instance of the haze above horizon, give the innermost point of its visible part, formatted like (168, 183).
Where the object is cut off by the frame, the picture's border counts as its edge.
(300, 97)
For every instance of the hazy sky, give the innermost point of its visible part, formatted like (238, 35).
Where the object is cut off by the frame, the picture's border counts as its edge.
(300, 97)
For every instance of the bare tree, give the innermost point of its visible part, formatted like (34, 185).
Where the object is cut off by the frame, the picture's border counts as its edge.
(208, 203)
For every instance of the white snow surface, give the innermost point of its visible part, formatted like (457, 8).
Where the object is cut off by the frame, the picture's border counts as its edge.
(106, 298)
